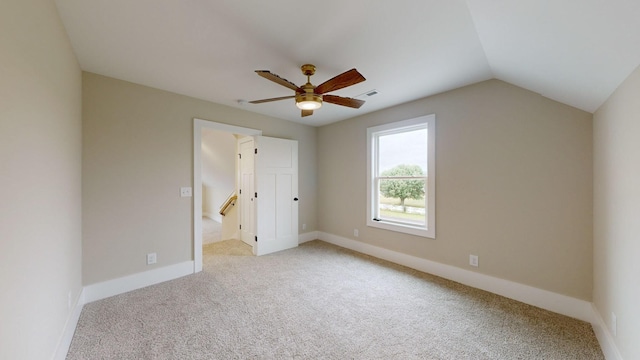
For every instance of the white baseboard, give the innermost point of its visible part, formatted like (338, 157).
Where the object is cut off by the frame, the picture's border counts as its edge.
(69, 328)
(558, 303)
(308, 236)
(235, 235)
(113, 287)
(213, 216)
(125, 284)
(604, 336)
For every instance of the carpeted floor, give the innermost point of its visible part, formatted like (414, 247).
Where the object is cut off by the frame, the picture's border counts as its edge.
(227, 247)
(319, 301)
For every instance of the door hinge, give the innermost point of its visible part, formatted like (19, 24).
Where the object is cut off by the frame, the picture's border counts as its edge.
(240, 226)
(240, 191)
(255, 151)
(240, 156)
(256, 239)
(256, 195)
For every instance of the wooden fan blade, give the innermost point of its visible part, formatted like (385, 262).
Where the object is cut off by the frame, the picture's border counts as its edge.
(307, 113)
(277, 79)
(271, 99)
(344, 101)
(343, 80)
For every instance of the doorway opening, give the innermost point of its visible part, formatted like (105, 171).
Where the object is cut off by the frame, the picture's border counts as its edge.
(200, 126)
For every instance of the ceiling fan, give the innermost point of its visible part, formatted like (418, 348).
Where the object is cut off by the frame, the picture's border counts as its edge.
(309, 97)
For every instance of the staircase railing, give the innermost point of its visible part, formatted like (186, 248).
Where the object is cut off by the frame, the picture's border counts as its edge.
(227, 204)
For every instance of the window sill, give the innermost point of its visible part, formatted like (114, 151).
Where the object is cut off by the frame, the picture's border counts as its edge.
(407, 229)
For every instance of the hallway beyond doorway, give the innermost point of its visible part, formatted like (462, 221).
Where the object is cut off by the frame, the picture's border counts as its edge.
(211, 231)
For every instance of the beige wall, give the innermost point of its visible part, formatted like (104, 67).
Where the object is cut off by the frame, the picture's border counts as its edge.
(230, 224)
(513, 177)
(40, 144)
(137, 153)
(617, 213)
(513, 180)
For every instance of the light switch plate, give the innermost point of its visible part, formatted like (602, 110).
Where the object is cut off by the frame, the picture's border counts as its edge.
(185, 192)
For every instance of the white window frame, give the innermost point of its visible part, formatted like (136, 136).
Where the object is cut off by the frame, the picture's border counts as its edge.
(428, 121)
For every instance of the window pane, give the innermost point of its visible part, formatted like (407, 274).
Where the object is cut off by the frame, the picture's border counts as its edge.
(409, 148)
(401, 157)
(402, 201)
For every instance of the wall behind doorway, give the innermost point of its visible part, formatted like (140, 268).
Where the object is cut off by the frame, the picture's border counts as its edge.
(218, 170)
(137, 153)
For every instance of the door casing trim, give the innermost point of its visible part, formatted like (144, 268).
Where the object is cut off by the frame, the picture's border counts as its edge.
(198, 125)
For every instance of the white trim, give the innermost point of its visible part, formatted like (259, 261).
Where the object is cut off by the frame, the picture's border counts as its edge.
(128, 283)
(558, 303)
(69, 329)
(422, 122)
(198, 125)
(213, 216)
(561, 304)
(308, 236)
(216, 217)
(607, 344)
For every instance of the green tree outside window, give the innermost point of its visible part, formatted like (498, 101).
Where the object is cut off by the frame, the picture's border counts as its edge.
(403, 188)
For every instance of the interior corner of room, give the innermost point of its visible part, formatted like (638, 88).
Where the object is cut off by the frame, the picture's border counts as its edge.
(540, 193)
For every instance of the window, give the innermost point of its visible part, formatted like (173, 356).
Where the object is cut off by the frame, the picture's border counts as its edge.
(401, 176)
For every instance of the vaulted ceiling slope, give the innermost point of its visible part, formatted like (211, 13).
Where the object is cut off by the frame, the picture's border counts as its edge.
(573, 51)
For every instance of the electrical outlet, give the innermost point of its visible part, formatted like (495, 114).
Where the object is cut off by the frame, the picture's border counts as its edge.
(614, 324)
(151, 258)
(185, 192)
(304, 226)
(355, 232)
(473, 260)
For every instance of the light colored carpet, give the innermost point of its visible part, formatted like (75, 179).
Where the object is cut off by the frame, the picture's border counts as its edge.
(319, 301)
(211, 231)
(227, 247)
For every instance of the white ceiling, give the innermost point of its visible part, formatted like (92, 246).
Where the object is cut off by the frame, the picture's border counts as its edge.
(573, 51)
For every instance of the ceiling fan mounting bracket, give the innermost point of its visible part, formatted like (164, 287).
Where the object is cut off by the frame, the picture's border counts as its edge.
(308, 69)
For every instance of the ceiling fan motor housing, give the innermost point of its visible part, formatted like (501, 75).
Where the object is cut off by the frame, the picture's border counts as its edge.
(308, 100)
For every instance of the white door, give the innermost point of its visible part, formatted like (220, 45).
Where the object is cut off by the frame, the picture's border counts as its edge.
(276, 187)
(246, 191)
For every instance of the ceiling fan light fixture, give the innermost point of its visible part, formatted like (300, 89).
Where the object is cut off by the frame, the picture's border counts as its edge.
(309, 97)
(308, 101)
